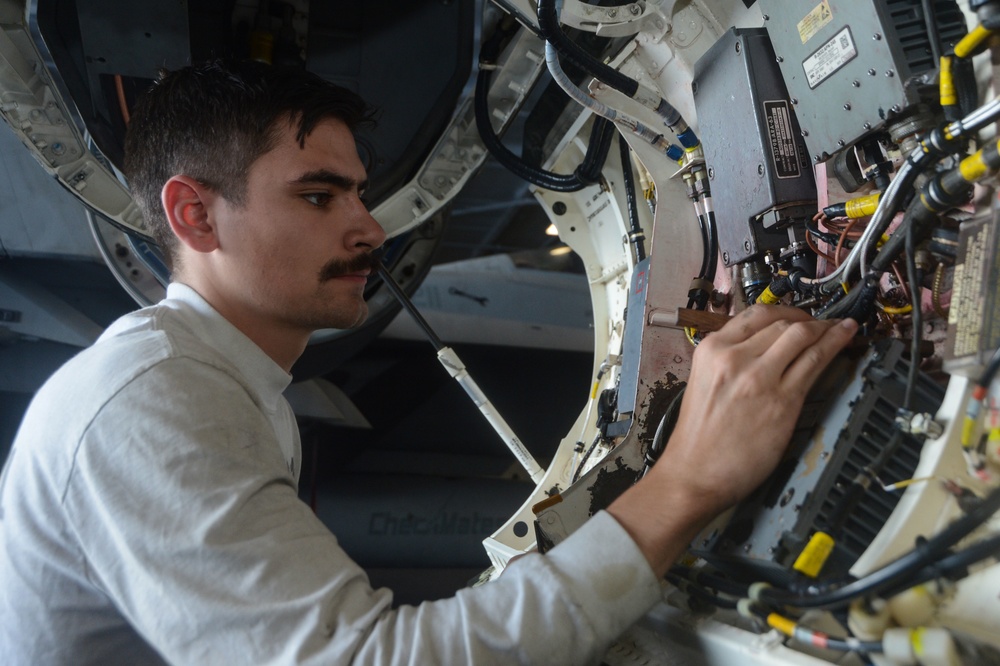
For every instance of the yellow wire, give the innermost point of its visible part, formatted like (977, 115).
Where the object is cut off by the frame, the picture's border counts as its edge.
(888, 309)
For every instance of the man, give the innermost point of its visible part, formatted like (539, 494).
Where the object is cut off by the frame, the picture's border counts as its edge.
(149, 507)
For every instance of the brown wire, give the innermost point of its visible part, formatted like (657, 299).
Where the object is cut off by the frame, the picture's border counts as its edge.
(122, 104)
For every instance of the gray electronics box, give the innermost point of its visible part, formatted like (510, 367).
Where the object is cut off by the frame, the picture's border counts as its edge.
(760, 175)
(849, 65)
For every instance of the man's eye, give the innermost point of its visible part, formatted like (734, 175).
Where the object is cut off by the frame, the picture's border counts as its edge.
(317, 198)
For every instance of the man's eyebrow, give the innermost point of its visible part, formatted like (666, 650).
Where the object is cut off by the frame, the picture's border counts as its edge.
(328, 177)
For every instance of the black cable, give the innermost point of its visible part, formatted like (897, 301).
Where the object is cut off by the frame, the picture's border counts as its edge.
(952, 566)
(587, 173)
(713, 246)
(583, 461)
(636, 235)
(917, 317)
(548, 24)
(841, 593)
(930, 22)
(990, 372)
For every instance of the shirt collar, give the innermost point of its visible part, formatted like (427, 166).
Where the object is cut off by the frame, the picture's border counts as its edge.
(259, 370)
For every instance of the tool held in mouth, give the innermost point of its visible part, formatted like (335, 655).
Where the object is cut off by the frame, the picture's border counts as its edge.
(453, 364)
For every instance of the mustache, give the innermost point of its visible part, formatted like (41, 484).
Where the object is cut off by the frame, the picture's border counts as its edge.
(367, 261)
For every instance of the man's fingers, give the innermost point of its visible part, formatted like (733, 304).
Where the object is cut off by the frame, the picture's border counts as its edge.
(813, 359)
(755, 319)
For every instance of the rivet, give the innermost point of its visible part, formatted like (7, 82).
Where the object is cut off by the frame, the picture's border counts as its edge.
(877, 37)
(847, 107)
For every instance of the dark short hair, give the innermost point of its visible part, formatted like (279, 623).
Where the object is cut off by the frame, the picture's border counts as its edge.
(212, 121)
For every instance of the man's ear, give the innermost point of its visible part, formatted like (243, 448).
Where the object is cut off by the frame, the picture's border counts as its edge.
(187, 204)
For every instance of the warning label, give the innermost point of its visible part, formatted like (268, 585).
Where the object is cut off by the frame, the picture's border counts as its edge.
(830, 57)
(779, 129)
(815, 21)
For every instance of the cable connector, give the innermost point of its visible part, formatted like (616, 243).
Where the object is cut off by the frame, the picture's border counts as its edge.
(918, 423)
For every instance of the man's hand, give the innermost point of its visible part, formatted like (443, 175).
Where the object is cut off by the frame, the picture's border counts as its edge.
(747, 385)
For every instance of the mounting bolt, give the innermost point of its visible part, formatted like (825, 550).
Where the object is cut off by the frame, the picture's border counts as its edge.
(612, 13)
(635, 9)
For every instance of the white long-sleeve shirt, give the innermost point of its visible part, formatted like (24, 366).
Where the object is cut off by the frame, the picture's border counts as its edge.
(149, 513)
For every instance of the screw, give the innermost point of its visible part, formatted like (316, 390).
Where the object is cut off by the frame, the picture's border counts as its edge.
(847, 107)
(895, 108)
(746, 245)
(766, 17)
(760, 169)
(634, 9)
(840, 142)
(794, 101)
(805, 132)
(780, 59)
(559, 208)
(889, 73)
(877, 37)
(612, 13)
(871, 72)
(856, 84)
(711, 173)
(867, 126)
(747, 547)
(738, 47)
(725, 257)
(817, 158)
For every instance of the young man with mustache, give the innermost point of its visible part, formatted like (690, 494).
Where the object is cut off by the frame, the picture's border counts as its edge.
(149, 507)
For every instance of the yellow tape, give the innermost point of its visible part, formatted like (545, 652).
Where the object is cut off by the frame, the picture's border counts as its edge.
(862, 206)
(947, 87)
(781, 623)
(973, 167)
(971, 41)
(917, 641)
(767, 296)
(593, 391)
(812, 558)
(968, 426)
